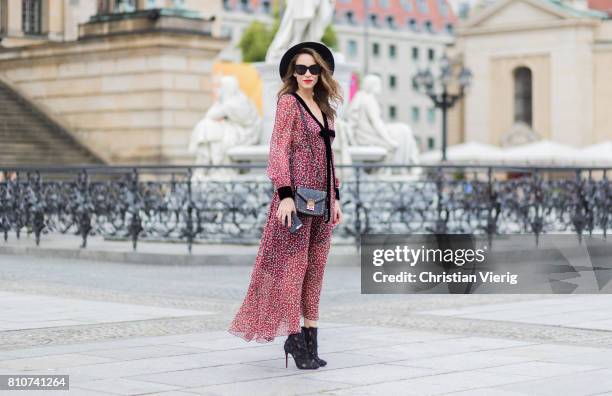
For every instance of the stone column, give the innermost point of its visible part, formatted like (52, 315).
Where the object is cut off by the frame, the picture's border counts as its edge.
(14, 18)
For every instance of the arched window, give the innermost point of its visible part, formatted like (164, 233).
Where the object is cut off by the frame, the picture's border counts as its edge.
(523, 95)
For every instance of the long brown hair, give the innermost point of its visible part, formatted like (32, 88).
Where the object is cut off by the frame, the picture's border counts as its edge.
(327, 88)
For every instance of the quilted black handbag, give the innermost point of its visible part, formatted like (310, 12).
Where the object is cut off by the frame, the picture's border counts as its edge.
(309, 201)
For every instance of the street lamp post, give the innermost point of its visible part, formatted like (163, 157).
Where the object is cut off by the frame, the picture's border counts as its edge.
(439, 93)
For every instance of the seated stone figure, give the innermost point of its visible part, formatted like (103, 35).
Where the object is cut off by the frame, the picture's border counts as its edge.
(367, 127)
(232, 120)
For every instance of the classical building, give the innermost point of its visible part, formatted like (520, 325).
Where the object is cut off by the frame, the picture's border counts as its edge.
(393, 38)
(541, 71)
(125, 79)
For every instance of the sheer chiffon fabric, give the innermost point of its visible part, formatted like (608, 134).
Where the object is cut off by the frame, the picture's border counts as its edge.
(286, 279)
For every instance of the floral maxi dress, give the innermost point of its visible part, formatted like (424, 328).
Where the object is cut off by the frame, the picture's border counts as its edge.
(287, 276)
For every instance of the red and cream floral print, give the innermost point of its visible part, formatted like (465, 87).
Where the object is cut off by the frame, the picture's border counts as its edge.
(287, 276)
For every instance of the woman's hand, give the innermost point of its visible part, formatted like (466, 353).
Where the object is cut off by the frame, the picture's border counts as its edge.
(338, 216)
(285, 208)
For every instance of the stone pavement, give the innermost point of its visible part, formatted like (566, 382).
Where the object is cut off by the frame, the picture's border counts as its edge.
(128, 330)
(58, 245)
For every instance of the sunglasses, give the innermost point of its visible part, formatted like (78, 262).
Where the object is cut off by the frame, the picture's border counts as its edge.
(314, 69)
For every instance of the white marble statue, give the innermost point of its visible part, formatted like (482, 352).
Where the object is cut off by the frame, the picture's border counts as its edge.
(341, 146)
(231, 120)
(367, 127)
(303, 20)
(519, 133)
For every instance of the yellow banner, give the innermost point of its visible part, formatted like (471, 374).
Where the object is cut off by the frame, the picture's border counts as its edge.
(247, 76)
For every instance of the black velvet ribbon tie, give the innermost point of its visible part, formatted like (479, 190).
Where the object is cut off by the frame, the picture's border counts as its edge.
(327, 134)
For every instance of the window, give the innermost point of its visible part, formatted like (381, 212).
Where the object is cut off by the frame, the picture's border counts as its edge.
(523, 95)
(431, 54)
(390, 21)
(124, 6)
(449, 28)
(3, 17)
(103, 7)
(226, 31)
(414, 85)
(392, 81)
(384, 3)
(352, 48)
(265, 6)
(406, 4)
(415, 53)
(431, 115)
(179, 3)
(413, 24)
(373, 19)
(392, 51)
(416, 114)
(349, 17)
(443, 7)
(392, 112)
(429, 27)
(31, 15)
(464, 10)
(431, 143)
(422, 6)
(153, 3)
(375, 49)
(244, 5)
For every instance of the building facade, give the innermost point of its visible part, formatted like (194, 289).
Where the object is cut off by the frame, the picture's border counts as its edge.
(393, 39)
(127, 81)
(541, 71)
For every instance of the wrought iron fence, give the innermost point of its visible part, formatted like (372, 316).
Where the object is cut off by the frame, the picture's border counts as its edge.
(168, 203)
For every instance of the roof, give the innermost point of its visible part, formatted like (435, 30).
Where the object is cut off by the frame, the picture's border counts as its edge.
(577, 12)
(601, 5)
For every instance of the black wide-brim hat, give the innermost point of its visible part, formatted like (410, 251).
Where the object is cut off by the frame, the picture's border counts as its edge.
(321, 48)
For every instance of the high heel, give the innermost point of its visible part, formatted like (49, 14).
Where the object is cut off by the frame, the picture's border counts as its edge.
(310, 337)
(296, 346)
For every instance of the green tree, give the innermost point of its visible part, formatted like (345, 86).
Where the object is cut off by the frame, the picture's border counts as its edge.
(255, 41)
(329, 37)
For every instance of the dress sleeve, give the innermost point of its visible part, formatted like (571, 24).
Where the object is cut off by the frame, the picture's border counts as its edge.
(279, 170)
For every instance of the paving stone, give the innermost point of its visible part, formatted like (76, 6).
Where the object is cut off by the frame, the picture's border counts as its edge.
(123, 386)
(435, 384)
(221, 374)
(277, 386)
(585, 383)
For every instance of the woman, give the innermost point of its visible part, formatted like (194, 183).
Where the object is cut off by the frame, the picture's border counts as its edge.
(288, 273)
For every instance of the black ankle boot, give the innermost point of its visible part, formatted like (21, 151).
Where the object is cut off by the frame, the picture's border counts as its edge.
(310, 337)
(296, 346)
